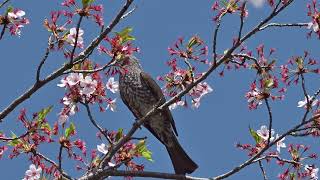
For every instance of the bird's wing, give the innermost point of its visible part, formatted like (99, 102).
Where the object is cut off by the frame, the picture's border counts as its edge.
(126, 101)
(157, 92)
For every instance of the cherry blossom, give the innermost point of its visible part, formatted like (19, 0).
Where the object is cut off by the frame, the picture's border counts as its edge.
(195, 102)
(15, 21)
(112, 105)
(314, 26)
(312, 171)
(62, 118)
(72, 105)
(88, 85)
(102, 148)
(71, 80)
(176, 104)
(198, 92)
(16, 14)
(112, 85)
(71, 37)
(304, 102)
(263, 132)
(33, 173)
(280, 144)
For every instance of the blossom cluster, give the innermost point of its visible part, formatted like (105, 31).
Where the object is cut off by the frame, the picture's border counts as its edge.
(85, 88)
(297, 153)
(179, 78)
(14, 20)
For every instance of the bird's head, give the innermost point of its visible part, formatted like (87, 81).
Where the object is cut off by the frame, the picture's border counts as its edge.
(127, 62)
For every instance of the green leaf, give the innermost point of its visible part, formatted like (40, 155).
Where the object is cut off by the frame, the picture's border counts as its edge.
(70, 130)
(9, 9)
(43, 113)
(299, 61)
(225, 3)
(148, 155)
(125, 35)
(193, 41)
(141, 149)
(86, 3)
(14, 142)
(269, 83)
(46, 126)
(255, 135)
(119, 134)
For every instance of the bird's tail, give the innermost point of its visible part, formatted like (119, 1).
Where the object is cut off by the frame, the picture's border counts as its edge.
(182, 163)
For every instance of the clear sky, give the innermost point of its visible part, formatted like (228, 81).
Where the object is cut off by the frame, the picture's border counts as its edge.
(209, 134)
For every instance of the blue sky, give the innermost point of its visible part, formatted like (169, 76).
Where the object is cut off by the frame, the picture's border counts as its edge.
(208, 134)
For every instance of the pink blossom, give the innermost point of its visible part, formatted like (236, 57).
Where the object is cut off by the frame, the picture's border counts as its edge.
(304, 102)
(112, 85)
(88, 85)
(280, 144)
(102, 148)
(71, 37)
(33, 173)
(112, 105)
(263, 132)
(17, 14)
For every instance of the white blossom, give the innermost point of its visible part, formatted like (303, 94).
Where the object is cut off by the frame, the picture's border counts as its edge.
(280, 143)
(112, 85)
(88, 85)
(16, 14)
(102, 148)
(176, 104)
(71, 37)
(263, 132)
(313, 172)
(304, 102)
(112, 105)
(33, 173)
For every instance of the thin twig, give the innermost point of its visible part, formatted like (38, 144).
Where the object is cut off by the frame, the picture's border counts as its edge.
(109, 64)
(102, 131)
(270, 119)
(215, 37)
(36, 153)
(45, 57)
(3, 30)
(284, 25)
(16, 138)
(242, 20)
(76, 40)
(60, 157)
(262, 170)
(3, 3)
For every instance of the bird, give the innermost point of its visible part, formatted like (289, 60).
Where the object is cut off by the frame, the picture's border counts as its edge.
(140, 93)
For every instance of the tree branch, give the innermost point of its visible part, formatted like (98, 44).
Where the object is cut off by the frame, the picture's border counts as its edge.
(106, 173)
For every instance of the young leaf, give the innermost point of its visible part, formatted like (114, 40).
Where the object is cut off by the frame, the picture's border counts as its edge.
(124, 35)
(269, 83)
(43, 113)
(70, 130)
(86, 3)
(14, 142)
(142, 150)
(255, 136)
(119, 134)
(9, 9)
